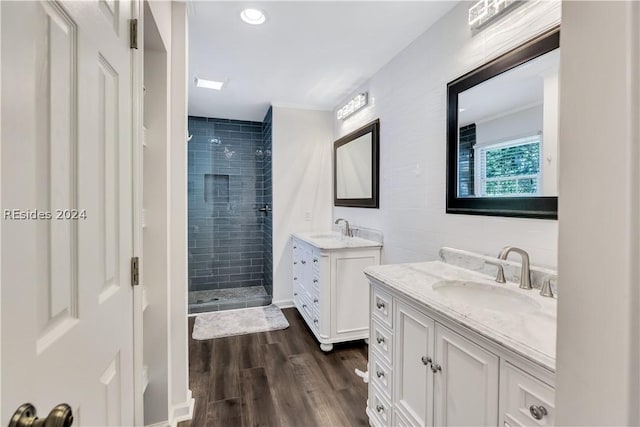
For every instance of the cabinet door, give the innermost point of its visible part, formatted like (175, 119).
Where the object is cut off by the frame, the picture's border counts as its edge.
(413, 378)
(466, 385)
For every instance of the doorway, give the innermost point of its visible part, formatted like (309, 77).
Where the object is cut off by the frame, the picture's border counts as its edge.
(229, 214)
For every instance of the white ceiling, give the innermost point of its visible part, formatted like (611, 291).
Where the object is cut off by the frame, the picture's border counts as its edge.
(308, 54)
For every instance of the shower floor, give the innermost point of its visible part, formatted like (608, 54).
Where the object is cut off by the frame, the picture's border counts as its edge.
(228, 299)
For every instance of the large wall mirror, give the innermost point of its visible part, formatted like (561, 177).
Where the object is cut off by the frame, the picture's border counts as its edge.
(502, 134)
(356, 161)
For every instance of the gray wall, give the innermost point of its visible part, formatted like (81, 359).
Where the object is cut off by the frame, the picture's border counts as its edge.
(225, 190)
(267, 198)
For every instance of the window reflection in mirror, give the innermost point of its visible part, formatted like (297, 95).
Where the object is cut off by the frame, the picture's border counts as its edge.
(508, 133)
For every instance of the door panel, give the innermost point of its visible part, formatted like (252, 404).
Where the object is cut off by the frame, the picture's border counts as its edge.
(466, 387)
(414, 379)
(66, 152)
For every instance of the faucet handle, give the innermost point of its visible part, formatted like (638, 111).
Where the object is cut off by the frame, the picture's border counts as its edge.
(500, 276)
(546, 290)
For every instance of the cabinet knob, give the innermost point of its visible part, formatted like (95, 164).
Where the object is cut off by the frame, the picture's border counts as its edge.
(380, 409)
(435, 367)
(304, 305)
(315, 300)
(380, 305)
(295, 262)
(295, 278)
(295, 294)
(303, 261)
(295, 247)
(315, 321)
(315, 280)
(379, 374)
(426, 360)
(537, 411)
(380, 340)
(315, 260)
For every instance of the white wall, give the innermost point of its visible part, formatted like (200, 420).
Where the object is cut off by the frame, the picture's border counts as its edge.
(521, 123)
(180, 395)
(301, 185)
(164, 257)
(598, 326)
(409, 97)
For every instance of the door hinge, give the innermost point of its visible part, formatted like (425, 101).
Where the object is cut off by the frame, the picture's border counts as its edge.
(133, 33)
(135, 271)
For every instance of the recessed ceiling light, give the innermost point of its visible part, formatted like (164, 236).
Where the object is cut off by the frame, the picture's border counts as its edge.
(209, 84)
(253, 16)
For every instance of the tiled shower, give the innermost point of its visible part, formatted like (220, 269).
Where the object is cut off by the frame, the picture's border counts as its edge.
(229, 186)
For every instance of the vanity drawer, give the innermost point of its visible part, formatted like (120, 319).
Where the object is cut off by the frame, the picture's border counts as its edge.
(381, 306)
(381, 341)
(525, 400)
(380, 374)
(379, 407)
(315, 262)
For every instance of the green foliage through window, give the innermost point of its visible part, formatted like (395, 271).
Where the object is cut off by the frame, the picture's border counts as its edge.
(511, 169)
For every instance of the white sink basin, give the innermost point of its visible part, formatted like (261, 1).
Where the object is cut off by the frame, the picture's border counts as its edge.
(486, 296)
(326, 236)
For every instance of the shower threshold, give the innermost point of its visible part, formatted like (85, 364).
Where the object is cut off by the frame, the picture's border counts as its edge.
(228, 299)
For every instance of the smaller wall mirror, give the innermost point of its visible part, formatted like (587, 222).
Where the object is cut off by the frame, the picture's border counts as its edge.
(356, 161)
(502, 134)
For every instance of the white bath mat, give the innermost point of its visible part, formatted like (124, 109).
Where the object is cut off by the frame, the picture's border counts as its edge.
(227, 323)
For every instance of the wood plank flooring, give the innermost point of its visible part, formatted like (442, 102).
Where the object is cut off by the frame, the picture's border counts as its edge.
(278, 378)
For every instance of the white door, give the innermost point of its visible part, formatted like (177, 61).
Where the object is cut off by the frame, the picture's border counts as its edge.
(66, 150)
(413, 377)
(466, 386)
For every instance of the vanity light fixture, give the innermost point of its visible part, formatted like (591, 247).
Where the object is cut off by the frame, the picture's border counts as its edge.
(209, 84)
(484, 11)
(253, 16)
(357, 103)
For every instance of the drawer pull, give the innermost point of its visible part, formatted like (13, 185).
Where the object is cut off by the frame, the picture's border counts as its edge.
(295, 247)
(315, 260)
(380, 340)
(295, 278)
(303, 261)
(379, 374)
(295, 294)
(426, 360)
(315, 321)
(295, 262)
(435, 367)
(380, 305)
(304, 305)
(380, 409)
(315, 280)
(315, 300)
(537, 411)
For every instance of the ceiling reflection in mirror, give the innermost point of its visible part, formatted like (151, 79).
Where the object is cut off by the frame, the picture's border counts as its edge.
(508, 133)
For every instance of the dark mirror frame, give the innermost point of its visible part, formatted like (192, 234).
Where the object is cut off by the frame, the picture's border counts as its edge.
(372, 202)
(525, 207)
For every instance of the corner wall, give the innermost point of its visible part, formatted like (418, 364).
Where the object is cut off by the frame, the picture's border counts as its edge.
(409, 96)
(301, 156)
(599, 258)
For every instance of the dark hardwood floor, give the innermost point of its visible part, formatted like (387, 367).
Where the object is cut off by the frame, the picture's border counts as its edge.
(278, 378)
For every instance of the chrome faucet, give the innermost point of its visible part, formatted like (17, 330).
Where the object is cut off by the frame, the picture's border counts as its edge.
(347, 229)
(525, 274)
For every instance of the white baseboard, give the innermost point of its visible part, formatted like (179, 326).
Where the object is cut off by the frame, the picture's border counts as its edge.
(182, 411)
(286, 303)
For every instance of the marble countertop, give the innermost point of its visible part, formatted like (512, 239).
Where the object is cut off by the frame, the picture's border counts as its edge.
(333, 240)
(531, 334)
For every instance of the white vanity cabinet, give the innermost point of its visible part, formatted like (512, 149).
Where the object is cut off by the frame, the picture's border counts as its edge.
(427, 371)
(330, 290)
